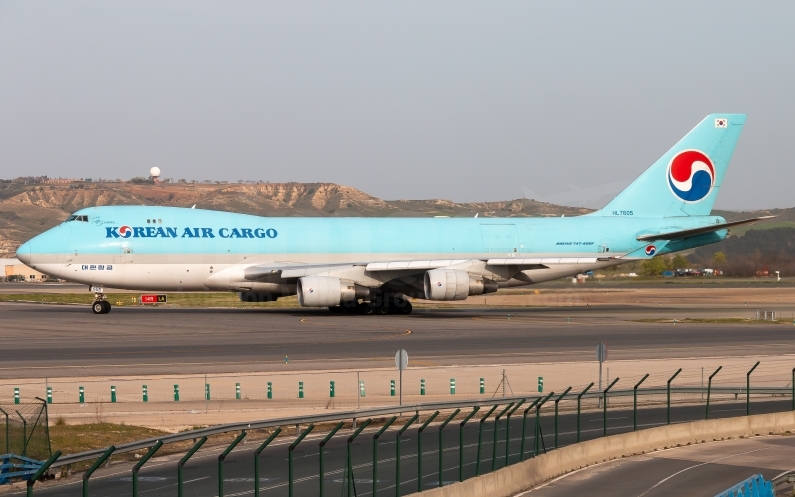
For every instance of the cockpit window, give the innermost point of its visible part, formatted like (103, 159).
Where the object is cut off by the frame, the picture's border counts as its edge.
(77, 218)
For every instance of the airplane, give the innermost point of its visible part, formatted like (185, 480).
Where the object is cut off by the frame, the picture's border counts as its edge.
(370, 265)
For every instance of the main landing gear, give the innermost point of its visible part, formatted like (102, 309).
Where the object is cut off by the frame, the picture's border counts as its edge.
(380, 307)
(100, 304)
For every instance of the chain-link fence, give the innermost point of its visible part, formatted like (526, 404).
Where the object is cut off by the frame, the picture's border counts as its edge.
(24, 430)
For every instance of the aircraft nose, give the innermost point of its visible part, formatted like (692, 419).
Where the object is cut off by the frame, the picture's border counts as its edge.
(23, 253)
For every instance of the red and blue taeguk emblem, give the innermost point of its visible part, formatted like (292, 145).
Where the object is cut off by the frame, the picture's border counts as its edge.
(691, 175)
(651, 250)
(125, 232)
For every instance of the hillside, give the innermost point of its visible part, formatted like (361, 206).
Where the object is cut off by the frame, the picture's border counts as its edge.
(27, 210)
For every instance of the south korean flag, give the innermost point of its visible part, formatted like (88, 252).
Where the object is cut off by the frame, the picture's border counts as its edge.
(721, 122)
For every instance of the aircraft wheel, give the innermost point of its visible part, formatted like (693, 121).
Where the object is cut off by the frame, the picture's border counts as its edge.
(365, 309)
(98, 307)
(106, 306)
(406, 309)
(382, 310)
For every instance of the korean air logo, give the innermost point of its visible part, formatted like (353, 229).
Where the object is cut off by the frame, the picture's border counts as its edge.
(691, 175)
(651, 250)
(125, 232)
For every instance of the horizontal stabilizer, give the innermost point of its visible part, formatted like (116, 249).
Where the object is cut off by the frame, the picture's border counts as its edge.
(677, 235)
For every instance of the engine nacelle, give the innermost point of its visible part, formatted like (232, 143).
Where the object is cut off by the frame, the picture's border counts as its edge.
(323, 291)
(454, 284)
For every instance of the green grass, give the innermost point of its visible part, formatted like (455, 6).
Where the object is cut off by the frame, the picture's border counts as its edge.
(215, 299)
(741, 230)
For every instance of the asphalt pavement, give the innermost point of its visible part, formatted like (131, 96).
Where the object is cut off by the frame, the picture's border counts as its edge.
(62, 340)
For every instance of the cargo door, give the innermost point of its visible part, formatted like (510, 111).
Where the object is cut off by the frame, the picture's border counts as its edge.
(499, 240)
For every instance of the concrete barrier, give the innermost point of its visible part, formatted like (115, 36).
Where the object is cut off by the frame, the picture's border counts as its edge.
(524, 475)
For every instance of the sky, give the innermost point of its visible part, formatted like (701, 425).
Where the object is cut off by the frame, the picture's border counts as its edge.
(467, 101)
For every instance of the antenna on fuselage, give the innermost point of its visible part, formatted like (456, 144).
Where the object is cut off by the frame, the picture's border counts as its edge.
(194, 206)
(476, 214)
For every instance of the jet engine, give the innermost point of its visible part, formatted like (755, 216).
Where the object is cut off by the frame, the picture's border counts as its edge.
(454, 284)
(324, 291)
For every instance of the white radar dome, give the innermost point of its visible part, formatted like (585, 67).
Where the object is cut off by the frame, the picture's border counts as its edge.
(154, 172)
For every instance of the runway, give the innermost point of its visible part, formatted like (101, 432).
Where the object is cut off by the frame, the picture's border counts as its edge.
(66, 340)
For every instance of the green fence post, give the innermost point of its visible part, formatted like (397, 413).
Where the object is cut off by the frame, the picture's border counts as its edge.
(748, 390)
(323, 443)
(49, 395)
(483, 385)
(300, 389)
(361, 388)
(206, 391)
(391, 388)
(104, 457)
(452, 386)
(441, 449)
(604, 406)
(422, 386)
(43, 469)
(112, 393)
(709, 388)
(290, 457)
(238, 395)
(256, 458)
(540, 384)
(419, 449)
(397, 452)
(668, 395)
(461, 443)
(140, 464)
(8, 444)
(270, 390)
(24, 434)
(538, 421)
(176, 393)
(145, 393)
(579, 398)
(556, 414)
(375, 453)
(331, 389)
(508, 429)
(16, 395)
(494, 441)
(181, 464)
(524, 427)
(349, 457)
(496, 429)
(82, 395)
(480, 437)
(221, 462)
(635, 403)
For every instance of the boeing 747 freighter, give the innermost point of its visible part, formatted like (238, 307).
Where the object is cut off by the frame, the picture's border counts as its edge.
(369, 265)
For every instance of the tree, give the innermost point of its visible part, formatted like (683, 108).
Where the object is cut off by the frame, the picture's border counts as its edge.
(719, 257)
(654, 266)
(680, 262)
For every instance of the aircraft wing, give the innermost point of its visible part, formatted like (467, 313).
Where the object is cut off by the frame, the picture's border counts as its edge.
(677, 235)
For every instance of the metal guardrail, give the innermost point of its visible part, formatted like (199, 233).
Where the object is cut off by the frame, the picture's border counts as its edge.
(754, 486)
(391, 410)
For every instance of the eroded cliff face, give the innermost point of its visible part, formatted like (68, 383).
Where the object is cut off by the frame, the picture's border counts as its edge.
(27, 210)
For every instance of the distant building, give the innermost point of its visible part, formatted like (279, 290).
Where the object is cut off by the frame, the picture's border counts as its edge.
(16, 271)
(61, 181)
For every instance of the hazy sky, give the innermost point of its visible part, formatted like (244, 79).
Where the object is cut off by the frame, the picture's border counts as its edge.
(457, 100)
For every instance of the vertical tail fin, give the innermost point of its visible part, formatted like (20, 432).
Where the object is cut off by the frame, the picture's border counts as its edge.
(686, 180)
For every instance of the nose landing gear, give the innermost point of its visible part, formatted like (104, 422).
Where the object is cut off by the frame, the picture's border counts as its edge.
(100, 304)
